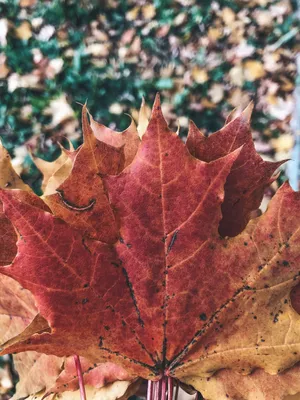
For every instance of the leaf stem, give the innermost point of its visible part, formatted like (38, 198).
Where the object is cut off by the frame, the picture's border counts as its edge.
(150, 390)
(170, 388)
(155, 387)
(80, 378)
(163, 388)
(157, 390)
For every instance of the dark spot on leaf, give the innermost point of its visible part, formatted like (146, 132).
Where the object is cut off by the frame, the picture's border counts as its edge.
(285, 263)
(275, 319)
(172, 242)
(128, 245)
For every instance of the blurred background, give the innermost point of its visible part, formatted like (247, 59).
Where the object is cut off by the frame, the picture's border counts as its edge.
(204, 57)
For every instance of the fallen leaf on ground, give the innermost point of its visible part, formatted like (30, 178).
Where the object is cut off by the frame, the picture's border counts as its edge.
(23, 31)
(253, 70)
(60, 110)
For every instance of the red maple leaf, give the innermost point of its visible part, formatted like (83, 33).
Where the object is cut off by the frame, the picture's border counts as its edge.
(249, 175)
(135, 272)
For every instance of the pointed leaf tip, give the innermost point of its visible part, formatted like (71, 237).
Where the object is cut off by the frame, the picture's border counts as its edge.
(156, 109)
(143, 119)
(287, 188)
(236, 113)
(194, 135)
(247, 112)
(86, 128)
(157, 112)
(157, 102)
(132, 124)
(178, 128)
(230, 116)
(194, 130)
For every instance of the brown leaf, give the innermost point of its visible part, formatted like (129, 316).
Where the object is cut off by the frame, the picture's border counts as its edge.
(48, 168)
(23, 31)
(4, 69)
(143, 119)
(8, 179)
(89, 209)
(148, 11)
(27, 3)
(253, 70)
(96, 375)
(17, 311)
(113, 391)
(36, 371)
(128, 139)
(199, 75)
(227, 385)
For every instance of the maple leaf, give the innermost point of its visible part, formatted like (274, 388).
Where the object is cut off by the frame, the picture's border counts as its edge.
(8, 179)
(56, 172)
(39, 371)
(17, 310)
(36, 371)
(128, 138)
(20, 304)
(136, 273)
(249, 176)
(96, 375)
(143, 119)
(120, 390)
(258, 385)
(88, 209)
(49, 168)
